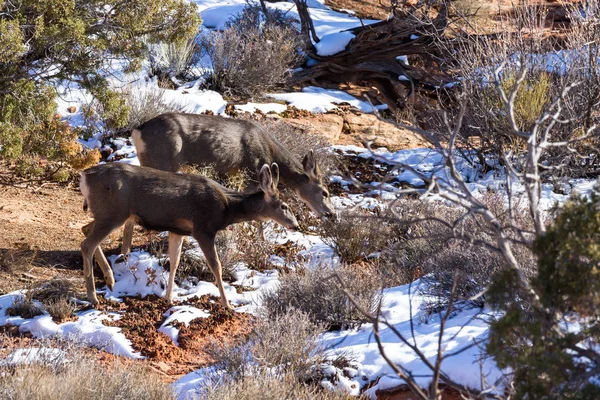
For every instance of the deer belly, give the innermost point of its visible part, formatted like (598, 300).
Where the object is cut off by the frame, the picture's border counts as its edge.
(178, 226)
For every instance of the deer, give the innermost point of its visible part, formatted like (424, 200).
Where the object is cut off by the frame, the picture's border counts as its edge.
(181, 204)
(171, 140)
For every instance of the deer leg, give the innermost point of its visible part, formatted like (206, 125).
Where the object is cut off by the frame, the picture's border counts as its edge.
(207, 244)
(175, 242)
(95, 235)
(127, 237)
(101, 259)
(260, 231)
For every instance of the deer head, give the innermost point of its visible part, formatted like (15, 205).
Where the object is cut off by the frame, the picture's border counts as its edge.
(274, 208)
(313, 192)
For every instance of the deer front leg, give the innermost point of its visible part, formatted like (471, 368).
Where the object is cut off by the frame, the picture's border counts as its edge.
(207, 244)
(175, 242)
(260, 231)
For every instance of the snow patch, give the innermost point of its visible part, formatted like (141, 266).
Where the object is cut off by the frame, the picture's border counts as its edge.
(334, 43)
(319, 100)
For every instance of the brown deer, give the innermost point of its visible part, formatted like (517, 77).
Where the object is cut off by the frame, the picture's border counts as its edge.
(178, 203)
(171, 140)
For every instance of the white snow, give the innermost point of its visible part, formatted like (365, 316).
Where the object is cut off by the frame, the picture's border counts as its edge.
(400, 305)
(334, 43)
(215, 15)
(403, 59)
(88, 328)
(319, 100)
(265, 108)
(34, 355)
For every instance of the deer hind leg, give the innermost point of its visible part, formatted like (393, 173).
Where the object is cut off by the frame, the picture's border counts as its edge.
(95, 234)
(260, 231)
(175, 242)
(101, 259)
(207, 244)
(127, 236)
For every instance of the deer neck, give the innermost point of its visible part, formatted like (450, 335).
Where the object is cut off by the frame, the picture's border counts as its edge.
(244, 207)
(291, 172)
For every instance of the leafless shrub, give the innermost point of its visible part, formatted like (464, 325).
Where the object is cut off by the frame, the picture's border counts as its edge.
(355, 235)
(521, 69)
(318, 294)
(174, 59)
(254, 251)
(145, 103)
(438, 242)
(285, 343)
(252, 55)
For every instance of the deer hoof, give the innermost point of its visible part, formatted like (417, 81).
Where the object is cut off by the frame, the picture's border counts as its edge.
(94, 301)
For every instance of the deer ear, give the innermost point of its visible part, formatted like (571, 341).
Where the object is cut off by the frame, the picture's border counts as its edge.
(265, 179)
(275, 174)
(309, 164)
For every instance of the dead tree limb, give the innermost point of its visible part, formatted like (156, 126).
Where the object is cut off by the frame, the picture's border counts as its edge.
(371, 56)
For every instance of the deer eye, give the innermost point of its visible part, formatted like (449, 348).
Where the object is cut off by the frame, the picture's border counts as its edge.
(284, 207)
(325, 194)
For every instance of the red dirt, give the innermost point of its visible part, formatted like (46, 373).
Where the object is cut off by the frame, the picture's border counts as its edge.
(142, 317)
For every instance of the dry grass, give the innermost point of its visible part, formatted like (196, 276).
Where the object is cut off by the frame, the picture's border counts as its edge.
(60, 309)
(16, 259)
(79, 379)
(176, 59)
(269, 387)
(24, 306)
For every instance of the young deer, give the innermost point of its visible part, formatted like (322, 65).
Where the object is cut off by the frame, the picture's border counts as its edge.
(171, 140)
(166, 201)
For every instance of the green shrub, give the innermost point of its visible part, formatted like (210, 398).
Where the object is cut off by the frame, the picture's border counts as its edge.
(534, 340)
(45, 40)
